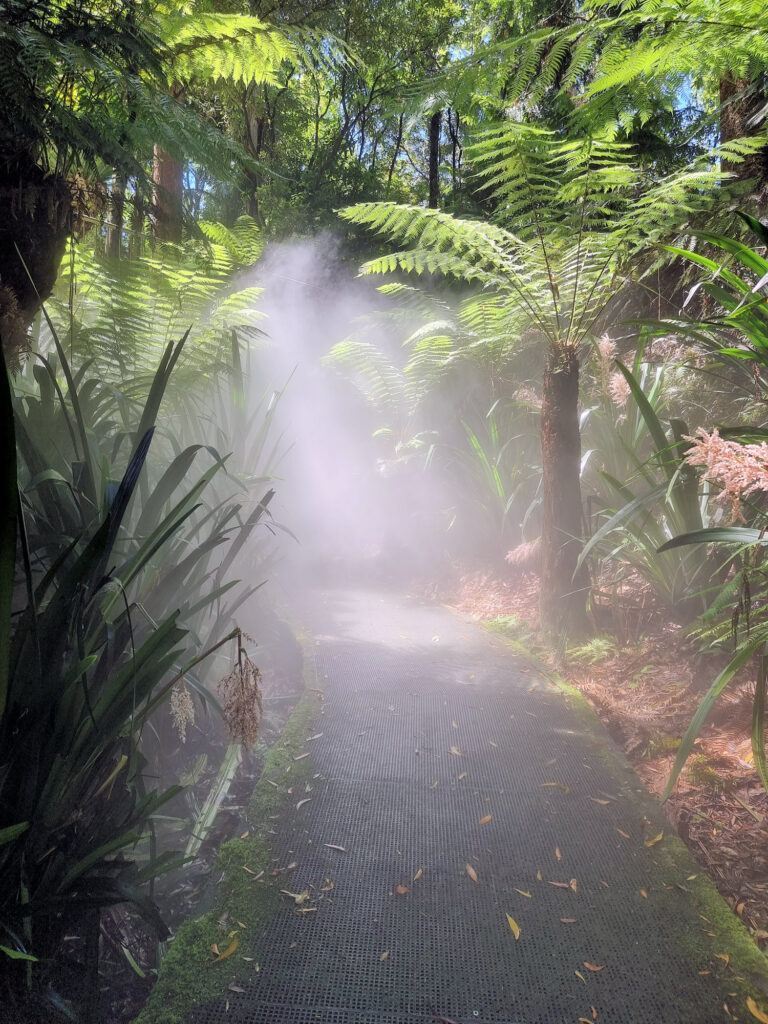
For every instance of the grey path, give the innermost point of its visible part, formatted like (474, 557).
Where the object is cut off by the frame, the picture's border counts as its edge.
(403, 685)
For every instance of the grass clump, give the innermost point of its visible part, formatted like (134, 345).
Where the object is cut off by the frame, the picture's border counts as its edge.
(190, 975)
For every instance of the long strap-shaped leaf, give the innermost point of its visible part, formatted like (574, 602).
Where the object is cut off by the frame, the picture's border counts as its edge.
(8, 506)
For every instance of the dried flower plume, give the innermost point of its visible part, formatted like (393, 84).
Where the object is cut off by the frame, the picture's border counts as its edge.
(182, 709)
(240, 696)
(738, 469)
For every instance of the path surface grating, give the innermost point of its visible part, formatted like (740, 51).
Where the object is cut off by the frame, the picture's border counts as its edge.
(403, 684)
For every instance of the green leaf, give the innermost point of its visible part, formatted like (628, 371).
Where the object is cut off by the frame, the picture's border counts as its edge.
(15, 954)
(717, 535)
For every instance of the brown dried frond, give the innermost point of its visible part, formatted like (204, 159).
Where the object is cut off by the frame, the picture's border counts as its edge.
(525, 556)
(240, 696)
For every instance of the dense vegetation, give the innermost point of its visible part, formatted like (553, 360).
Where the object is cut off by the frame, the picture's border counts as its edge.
(568, 201)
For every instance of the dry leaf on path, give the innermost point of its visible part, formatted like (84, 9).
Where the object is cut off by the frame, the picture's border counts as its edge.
(401, 889)
(557, 853)
(471, 872)
(724, 957)
(524, 893)
(418, 874)
(568, 920)
(755, 1010)
(301, 803)
(596, 801)
(656, 839)
(384, 956)
(301, 757)
(644, 894)
(580, 975)
(560, 885)
(594, 967)
(462, 776)
(574, 885)
(228, 951)
(455, 725)
(486, 819)
(514, 927)
(333, 846)
(622, 833)
(556, 785)
(457, 752)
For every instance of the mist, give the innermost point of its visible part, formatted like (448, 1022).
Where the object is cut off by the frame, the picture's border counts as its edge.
(352, 514)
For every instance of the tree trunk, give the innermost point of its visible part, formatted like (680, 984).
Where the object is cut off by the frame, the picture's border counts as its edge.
(563, 598)
(435, 125)
(167, 175)
(116, 214)
(736, 111)
(35, 218)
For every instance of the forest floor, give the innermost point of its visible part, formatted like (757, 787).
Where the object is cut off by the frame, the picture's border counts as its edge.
(645, 690)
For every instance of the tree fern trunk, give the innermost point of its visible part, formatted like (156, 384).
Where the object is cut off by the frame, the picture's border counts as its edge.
(167, 175)
(563, 597)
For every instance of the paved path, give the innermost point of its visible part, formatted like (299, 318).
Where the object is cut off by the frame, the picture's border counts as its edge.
(484, 792)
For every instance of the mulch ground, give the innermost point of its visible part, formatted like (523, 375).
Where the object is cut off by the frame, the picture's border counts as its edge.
(645, 691)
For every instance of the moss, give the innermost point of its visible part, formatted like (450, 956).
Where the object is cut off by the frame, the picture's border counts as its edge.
(244, 902)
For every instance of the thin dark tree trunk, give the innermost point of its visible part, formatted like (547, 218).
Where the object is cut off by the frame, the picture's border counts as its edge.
(563, 595)
(116, 217)
(435, 126)
(396, 153)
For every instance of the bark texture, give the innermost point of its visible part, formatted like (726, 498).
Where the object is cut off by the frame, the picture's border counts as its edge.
(563, 599)
(36, 214)
(167, 174)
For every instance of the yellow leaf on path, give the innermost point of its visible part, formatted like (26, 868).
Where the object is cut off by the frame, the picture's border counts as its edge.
(401, 889)
(456, 752)
(557, 853)
(574, 885)
(584, 1020)
(755, 1010)
(538, 876)
(724, 957)
(418, 874)
(486, 819)
(560, 885)
(523, 893)
(594, 1013)
(656, 839)
(594, 967)
(568, 920)
(596, 801)
(384, 956)
(557, 785)
(580, 975)
(214, 949)
(455, 726)
(434, 785)
(644, 894)
(471, 872)
(245, 835)
(231, 948)
(514, 927)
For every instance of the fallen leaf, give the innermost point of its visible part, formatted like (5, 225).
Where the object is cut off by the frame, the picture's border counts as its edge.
(594, 1013)
(235, 988)
(550, 763)
(594, 967)
(523, 893)
(755, 1010)
(302, 802)
(656, 839)
(584, 1020)
(557, 785)
(514, 927)
(596, 801)
(240, 924)
(557, 853)
(315, 737)
(580, 975)
(724, 957)
(704, 972)
(401, 889)
(493, 744)
(301, 756)
(644, 894)
(297, 897)
(231, 948)
(538, 876)
(328, 886)
(214, 949)
(462, 776)
(455, 725)
(560, 885)
(456, 752)
(486, 819)
(384, 956)
(574, 885)
(418, 874)
(333, 846)
(245, 835)
(622, 833)
(471, 872)
(434, 785)
(305, 910)
(568, 920)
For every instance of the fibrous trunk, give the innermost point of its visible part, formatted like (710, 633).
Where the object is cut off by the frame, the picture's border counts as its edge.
(563, 589)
